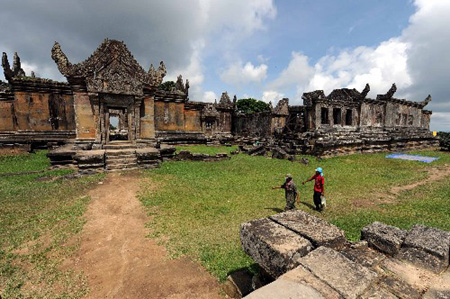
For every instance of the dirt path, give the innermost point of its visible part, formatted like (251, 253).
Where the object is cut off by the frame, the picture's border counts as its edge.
(118, 259)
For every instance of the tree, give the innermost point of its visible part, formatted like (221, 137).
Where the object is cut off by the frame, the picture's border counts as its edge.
(251, 105)
(167, 86)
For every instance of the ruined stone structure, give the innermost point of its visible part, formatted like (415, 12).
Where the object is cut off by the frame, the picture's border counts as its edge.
(310, 258)
(110, 87)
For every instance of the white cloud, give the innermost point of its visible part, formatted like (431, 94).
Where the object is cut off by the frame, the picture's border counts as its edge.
(209, 96)
(298, 72)
(238, 74)
(380, 67)
(272, 96)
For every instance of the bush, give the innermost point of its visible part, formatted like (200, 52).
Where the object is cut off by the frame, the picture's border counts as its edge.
(251, 105)
(444, 140)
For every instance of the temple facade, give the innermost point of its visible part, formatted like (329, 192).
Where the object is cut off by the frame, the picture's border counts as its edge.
(109, 98)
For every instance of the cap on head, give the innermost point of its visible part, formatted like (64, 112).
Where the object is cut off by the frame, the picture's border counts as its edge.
(289, 176)
(319, 169)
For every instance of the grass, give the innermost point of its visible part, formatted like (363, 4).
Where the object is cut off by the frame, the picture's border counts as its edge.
(208, 150)
(38, 222)
(198, 207)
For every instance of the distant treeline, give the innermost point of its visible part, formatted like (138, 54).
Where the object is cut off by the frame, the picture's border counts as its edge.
(444, 140)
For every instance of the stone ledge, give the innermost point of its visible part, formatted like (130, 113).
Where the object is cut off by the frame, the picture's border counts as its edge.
(317, 230)
(385, 238)
(275, 248)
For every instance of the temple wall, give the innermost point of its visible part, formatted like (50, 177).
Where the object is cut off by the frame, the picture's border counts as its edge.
(169, 116)
(372, 115)
(32, 111)
(192, 120)
(6, 116)
(277, 123)
(224, 121)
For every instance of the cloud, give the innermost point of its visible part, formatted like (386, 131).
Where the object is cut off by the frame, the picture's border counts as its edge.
(238, 74)
(209, 96)
(272, 96)
(379, 66)
(298, 72)
(417, 61)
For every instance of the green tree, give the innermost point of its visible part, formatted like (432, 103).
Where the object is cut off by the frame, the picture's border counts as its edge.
(251, 105)
(167, 86)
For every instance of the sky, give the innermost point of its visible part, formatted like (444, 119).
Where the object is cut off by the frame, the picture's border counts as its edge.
(265, 49)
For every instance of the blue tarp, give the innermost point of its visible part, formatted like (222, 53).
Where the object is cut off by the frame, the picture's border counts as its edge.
(412, 157)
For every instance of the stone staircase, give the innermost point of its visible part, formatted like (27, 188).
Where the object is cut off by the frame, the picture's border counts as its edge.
(120, 159)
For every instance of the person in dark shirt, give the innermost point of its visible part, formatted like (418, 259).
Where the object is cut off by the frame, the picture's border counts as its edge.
(319, 187)
(290, 192)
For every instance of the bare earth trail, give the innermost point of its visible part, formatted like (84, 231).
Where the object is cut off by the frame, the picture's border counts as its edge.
(120, 261)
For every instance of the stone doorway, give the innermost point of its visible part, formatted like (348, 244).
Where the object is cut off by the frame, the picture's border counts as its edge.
(117, 125)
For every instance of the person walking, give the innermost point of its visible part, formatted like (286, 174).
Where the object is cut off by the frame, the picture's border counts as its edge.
(290, 192)
(319, 188)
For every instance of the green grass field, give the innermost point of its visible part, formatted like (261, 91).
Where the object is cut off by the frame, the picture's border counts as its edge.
(198, 207)
(38, 218)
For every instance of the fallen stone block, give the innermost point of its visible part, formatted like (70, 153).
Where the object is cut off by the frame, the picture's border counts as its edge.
(275, 248)
(385, 238)
(399, 288)
(440, 287)
(376, 292)
(286, 289)
(318, 231)
(348, 278)
(362, 254)
(426, 247)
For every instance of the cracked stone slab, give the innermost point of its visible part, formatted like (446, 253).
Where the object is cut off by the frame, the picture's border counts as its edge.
(348, 278)
(376, 292)
(285, 289)
(362, 254)
(427, 247)
(274, 247)
(399, 288)
(385, 238)
(440, 288)
(317, 230)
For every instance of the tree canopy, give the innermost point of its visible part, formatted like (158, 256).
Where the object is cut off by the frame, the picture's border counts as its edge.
(167, 86)
(251, 105)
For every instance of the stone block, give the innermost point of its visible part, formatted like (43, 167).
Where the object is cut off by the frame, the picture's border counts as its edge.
(362, 254)
(376, 292)
(275, 248)
(399, 288)
(318, 231)
(426, 247)
(385, 238)
(348, 278)
(440, 287)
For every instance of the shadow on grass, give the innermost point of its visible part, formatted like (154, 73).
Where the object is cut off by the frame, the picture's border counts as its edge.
(276, 210)
(312, 207)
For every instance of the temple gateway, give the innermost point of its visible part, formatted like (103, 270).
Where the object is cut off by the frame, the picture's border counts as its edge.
(111, 109)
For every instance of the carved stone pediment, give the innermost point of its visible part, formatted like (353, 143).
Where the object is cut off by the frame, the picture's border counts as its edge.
(110, 69)
(209, 111)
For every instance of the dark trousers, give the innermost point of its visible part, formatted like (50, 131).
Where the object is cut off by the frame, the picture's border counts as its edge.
(317, 200)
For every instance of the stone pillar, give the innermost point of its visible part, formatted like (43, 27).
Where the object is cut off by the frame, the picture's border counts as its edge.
(147, 130)
(85, 118)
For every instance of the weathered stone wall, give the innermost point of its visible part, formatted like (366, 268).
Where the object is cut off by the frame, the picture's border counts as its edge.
(7, 122)
(169, 116)
(253, 125)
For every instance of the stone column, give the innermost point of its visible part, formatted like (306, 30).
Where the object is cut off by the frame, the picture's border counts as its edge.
(147, 130)
(85, 117)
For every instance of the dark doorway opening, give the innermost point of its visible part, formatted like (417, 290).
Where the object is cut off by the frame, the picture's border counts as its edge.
(118, 125)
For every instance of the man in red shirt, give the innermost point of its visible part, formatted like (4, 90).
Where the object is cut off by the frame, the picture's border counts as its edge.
(319, 187)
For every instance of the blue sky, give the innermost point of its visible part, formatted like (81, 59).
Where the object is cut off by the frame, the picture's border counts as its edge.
(264, 49)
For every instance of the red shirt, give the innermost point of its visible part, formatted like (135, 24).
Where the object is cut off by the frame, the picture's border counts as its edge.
(318, 182)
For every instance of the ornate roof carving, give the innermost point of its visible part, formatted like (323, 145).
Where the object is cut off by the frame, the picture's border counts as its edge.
(389, 94)
(110, 69)
(16, 70)
(209, 111)
(225, 101)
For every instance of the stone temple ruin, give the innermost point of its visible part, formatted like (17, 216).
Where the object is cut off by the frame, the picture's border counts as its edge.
(113, 112)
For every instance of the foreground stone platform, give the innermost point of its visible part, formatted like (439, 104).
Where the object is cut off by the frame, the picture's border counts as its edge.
(310, 258)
